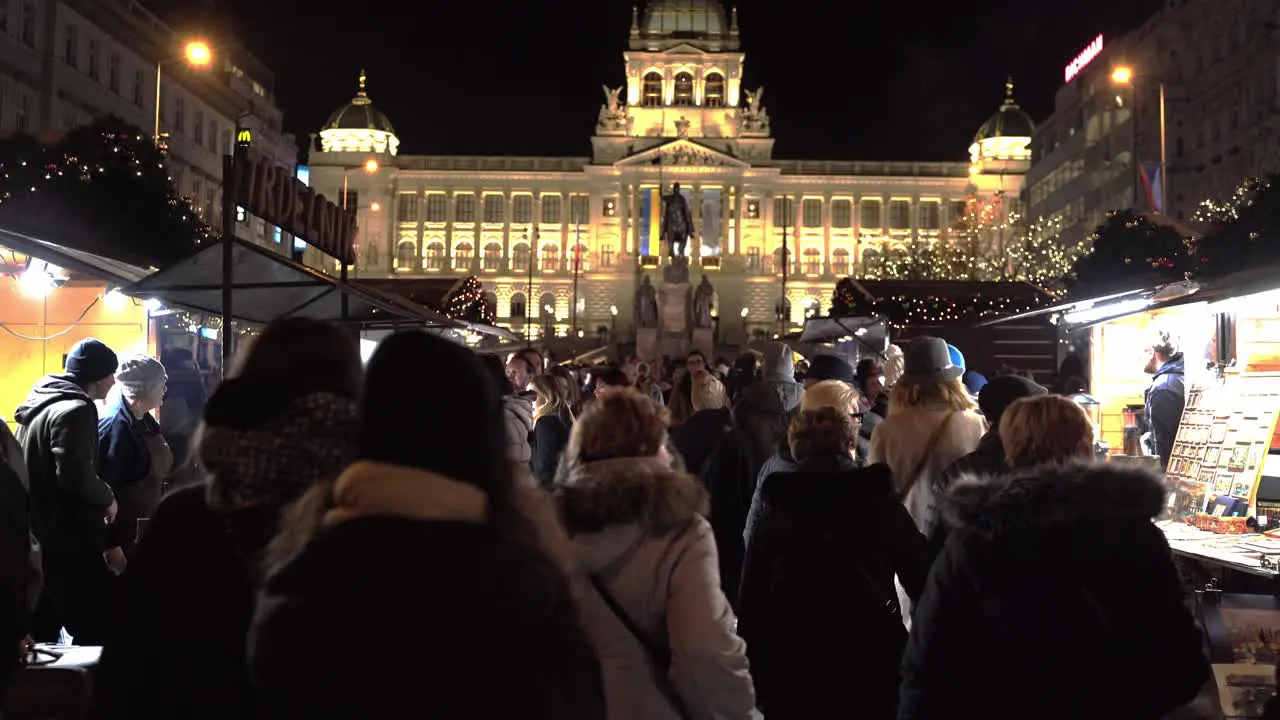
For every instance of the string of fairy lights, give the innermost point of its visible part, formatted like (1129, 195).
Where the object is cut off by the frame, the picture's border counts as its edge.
(1211, 211)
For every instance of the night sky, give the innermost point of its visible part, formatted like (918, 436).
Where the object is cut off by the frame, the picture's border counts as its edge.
(844, 80)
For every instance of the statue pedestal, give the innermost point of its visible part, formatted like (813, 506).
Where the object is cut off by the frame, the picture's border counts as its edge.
(647, 343)
(677, 273)
(704, 339)
(673, 307)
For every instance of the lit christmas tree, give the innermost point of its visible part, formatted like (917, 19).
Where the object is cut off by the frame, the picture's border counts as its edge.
(467, 303)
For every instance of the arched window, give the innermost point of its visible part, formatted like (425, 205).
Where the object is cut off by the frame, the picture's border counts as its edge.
(518, 309)
(812, 261)
(684, 89)
(405, 255)
(583, 258)
(520, 257)
(462, 256)
(778, 260)
(435, 256)
(550, 256)
(714, 92)
(651, 96)
(840, 262)
(492, 256)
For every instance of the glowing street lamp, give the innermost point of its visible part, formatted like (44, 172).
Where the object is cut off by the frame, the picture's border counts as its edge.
(1122, 75)
(197, 54)
(371, 166)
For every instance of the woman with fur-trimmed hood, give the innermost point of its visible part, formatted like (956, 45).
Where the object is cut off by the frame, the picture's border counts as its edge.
(647, 570)
(1055, 596)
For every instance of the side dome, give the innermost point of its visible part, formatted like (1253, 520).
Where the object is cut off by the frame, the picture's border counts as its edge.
(684, 19)
(358, 126)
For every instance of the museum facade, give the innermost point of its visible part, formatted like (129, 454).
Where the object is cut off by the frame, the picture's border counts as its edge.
(561, 243)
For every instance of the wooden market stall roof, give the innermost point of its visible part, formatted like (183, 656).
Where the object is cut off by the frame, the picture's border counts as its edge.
(269, 286)
(81, 262)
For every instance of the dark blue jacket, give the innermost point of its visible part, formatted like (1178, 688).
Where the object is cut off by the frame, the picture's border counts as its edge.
(123, 458)
(1165, 399)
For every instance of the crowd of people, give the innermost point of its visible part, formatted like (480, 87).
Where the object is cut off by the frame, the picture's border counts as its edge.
(443, 534)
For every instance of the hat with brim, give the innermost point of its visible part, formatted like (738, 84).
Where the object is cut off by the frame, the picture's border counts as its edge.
(929, 361)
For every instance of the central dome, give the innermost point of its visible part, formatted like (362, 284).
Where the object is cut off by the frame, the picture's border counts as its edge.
(685, 19)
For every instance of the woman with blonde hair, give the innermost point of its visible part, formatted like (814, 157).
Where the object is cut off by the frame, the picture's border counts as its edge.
(648, 569)
(932, 423)
(711, 419)
(552, 419)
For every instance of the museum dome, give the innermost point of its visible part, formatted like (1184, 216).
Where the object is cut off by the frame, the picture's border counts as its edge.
(1006, 136)
(684, 19)
(358, 126)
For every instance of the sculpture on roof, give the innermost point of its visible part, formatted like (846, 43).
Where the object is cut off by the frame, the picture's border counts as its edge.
(754, 116)
(613, 114)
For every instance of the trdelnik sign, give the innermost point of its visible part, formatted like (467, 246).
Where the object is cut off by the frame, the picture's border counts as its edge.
(1086, 56)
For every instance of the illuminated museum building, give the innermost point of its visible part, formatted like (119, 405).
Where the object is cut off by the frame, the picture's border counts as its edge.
(682, 116)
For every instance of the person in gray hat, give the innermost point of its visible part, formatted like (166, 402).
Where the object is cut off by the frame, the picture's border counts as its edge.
(70, 504)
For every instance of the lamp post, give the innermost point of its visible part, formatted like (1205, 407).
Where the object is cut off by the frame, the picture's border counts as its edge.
(746, 337)
(577, 266)
(370, 167)
(197, 54)
(1123, 75)
(613, 323)
(784, 318)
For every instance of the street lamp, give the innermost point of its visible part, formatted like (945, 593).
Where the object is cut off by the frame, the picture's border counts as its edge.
(1124, 75)
(371, 165)
(196, 54)
(613, 322)
(745, 336)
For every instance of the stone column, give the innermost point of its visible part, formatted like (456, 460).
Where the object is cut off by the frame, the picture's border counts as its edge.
(914, 216)
(422, 223)
(633, 207)
(695, 243)
(739, 217)
(770, 232)
(450, 214)
(508, 209)
(826, 233)
(623, 208)
(566, 201)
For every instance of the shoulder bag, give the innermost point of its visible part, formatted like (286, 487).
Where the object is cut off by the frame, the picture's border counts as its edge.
(929, 447)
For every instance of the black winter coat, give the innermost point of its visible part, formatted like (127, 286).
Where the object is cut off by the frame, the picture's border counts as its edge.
(1055, 597)
(698, 437)
(548, 440)
(394, 617)
(819, 610)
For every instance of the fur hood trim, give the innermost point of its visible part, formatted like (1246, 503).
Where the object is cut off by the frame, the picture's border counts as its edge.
(1052, 497)
(629, 491)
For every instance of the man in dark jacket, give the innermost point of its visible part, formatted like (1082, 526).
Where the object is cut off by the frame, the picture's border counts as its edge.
(58, 429)
(1167, 394)
(1055, 586)
(764, 407)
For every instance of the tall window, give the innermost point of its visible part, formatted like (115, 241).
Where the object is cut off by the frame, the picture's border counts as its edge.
(550, 257)
(71, 46)
(520, 258)
(899, 214)
(435, 256)
(683, 89)
(198, 129)
(780, 259)
(840, 262)
(580, 210)
(606, 256)
(871, 215)
(410, 208)
(651, 96)
(493, 208)
(437, 207)
(462, 256)
(784, 212)
(753, 258)
(518, 305)
(522, 209)
(405, 255)
(812, 212)
(812, 261)
(93, 58)
(842, 213)
(465, 209)
(29, 23)
(113, 73)
(551, 209)
(492, 256)
(714, 94)
(930, 215)
(580, 256)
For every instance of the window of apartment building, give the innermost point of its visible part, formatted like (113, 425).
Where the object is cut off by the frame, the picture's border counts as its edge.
(683, 90)
(651, 96)
(900, 214)
(410, 208)
(551, 209)
(580, 210)
(714, 91)
(930, 215)
(464, 210)
(871, 215)
(435, 256)
(606, 256)
(350, 200)
(29, 23)
(462, 256)
(93, 58)
(550, 257)
(179, 115)
(113, 73)
(198, 129)
(437, 208)
(812, 212)
(139, 81)
(840, 262)
(494, 212)
(812, 261)
(842, 213)
(518, 303)
(492, 256)
(520, 258)
(609, 207)
(522, 209)
(71, 46)
(753, 258)
(22, 118)
(753, 209)
(784, 212)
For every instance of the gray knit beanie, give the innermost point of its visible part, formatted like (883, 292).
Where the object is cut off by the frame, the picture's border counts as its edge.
(140, 376)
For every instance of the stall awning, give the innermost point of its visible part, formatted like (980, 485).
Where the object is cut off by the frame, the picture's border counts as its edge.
(1102, 301)
(79, 262)
(268, 286)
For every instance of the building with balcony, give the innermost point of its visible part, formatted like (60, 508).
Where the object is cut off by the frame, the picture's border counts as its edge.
(65, 62)
(546, 233)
